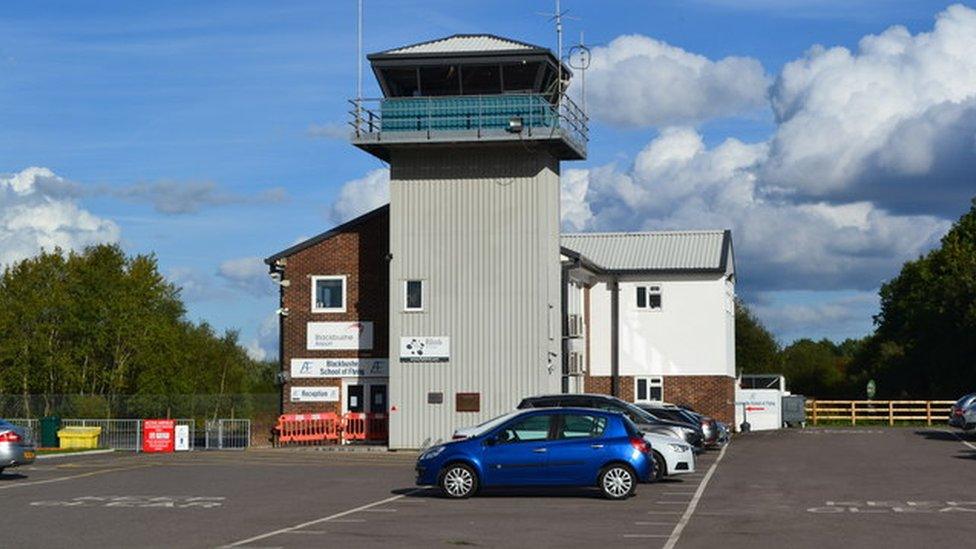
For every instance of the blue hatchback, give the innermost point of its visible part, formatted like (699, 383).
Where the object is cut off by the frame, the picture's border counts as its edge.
(543, 447)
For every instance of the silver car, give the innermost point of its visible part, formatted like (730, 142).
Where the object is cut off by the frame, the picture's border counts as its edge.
(958, 416)
(16, 447)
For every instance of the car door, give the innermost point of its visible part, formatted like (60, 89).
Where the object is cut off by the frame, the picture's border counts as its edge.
(578, 450)
(517, 453)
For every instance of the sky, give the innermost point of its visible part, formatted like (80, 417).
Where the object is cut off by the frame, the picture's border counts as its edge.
(836, 139)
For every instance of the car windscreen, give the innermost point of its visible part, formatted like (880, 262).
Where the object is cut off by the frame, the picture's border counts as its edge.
(966, 400)
(492, 423)
(641, 415)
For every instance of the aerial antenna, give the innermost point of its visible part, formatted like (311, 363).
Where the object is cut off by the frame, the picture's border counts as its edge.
(359, 63)
(558, 18)
(579, 59)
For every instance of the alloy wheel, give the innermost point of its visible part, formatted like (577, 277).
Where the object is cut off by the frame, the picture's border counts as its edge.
(458, 482)
(618, 482)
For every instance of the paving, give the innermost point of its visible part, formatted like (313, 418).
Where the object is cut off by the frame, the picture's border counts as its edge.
(865, 487)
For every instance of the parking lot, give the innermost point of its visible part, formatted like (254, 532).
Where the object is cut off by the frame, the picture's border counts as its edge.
(865, 487)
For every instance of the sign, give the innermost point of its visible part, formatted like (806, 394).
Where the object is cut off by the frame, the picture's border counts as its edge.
(303, 368)
(762, 408)
(872, 389)
(158, 435)
(182, 443)
(425, 349)
(339, 336)
(315, 394)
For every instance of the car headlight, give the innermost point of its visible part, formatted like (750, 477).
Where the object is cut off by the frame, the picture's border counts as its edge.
(432, 453)
(679, 447)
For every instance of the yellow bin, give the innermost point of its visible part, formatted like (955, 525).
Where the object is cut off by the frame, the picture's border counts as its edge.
(79, 438)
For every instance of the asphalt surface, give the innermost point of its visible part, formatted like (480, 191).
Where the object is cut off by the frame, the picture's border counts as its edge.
(886, 488)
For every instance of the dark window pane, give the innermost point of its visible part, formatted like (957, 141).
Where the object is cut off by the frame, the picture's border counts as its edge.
(328, 293)
(528, 429)
(654, 301)
(415, 294)
(641, 389)
(480, 79)
(641, 297)
(656, 393)
(401, 82)
(440, 81)
(520, 77)
(577, 426)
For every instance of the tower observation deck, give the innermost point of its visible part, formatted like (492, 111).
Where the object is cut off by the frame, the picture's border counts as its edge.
(469, 89)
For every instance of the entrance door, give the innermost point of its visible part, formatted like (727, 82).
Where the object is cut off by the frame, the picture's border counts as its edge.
(354, 398)
(377, 399)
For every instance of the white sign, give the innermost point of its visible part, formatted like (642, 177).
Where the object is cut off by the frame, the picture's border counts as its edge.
(425, 349)
(760, 407)
(339, 367)
(182, 442)
(340, 336)
(315, 394)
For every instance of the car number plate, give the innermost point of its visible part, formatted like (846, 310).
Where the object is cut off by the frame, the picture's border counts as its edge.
(28, 455)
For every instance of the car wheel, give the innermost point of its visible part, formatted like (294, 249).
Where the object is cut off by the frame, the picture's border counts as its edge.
(617, 481)
(660, 467)
(458, 481)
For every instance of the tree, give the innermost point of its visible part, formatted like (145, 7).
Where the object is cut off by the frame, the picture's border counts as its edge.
(815, 368)
(756, 350)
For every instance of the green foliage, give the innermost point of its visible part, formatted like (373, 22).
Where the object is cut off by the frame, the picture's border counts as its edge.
(97, 325)
(756, 350)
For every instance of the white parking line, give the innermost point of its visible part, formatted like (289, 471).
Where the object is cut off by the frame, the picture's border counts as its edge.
(319, 521)
(680, 527)
(966, 442)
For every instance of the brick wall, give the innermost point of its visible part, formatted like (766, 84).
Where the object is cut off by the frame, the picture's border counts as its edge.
(360, 252)
(709, 395)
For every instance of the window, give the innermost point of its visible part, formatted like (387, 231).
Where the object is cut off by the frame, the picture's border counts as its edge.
(328, 294)
(649, 298)
(413, 295)
(580, 426)
(649, 389)
(533, 428)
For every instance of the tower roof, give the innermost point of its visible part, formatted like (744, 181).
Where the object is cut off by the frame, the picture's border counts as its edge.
(463, 43)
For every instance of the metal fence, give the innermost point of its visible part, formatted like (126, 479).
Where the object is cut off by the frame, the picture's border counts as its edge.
(228, 434)
(126, 434)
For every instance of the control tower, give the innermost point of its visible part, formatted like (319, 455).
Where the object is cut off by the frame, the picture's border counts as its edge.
(474, 128)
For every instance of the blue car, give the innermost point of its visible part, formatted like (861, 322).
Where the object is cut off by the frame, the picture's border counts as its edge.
(543, 447)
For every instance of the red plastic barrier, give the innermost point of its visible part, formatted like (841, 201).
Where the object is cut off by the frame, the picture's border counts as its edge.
(354, 426)
(308, 428)
(377, 427)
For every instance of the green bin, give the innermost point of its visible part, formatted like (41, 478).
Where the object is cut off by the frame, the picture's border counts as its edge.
(49, 431)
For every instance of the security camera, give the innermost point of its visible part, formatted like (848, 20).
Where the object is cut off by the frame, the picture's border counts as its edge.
(282, 311)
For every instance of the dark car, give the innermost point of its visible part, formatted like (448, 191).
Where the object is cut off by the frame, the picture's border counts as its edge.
(683, 414)
(555, 447)
(647, 422)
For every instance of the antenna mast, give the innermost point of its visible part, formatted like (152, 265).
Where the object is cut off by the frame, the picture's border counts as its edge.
(359, 63)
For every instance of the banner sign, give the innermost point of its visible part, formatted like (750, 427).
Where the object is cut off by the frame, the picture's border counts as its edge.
(339, 367)
(425, 349)
(315, 394)
(339, 336)
(158, 435)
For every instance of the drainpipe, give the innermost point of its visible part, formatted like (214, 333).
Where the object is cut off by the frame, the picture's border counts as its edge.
(614, 337)
(563, 322)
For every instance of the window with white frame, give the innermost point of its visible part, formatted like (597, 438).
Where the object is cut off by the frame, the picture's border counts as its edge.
(329, 294)
(413, 295)
(649, 298)
(649, 389)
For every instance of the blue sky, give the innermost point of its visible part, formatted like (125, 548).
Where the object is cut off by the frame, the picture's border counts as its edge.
(190, 125)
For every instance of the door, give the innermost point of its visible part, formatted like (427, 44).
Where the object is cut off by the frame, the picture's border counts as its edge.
(354, 398)
(516, 453)
(377, 399)
(578, 450)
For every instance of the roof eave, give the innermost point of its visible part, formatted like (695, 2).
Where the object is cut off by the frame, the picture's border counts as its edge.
(288, 252)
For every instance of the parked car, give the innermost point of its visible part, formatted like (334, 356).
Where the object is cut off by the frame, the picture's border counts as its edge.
(957, 415)
(646, 422)
(672, 456)
(551, 447)
(16, 447)
(681, 414)
(723, 433)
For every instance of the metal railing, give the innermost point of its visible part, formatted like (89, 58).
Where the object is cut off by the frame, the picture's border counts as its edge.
(478, 114)
(878, 411)
(32, 426)
(228, 434)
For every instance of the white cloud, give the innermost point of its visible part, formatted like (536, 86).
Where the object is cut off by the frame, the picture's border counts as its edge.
(247, 274)
(37, 210)
(265, 345)
(361, 195)
(878, 123)
(640, 81)
(678, 183)
(330, 130)
(815, 315)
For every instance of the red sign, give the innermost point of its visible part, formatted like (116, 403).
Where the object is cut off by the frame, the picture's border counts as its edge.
(158, 435)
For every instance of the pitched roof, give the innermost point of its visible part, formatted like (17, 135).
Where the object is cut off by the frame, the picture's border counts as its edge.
(666, 251)
(466, 43)
(288, 252)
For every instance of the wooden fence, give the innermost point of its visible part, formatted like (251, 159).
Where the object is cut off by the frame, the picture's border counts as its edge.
(875, 411)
